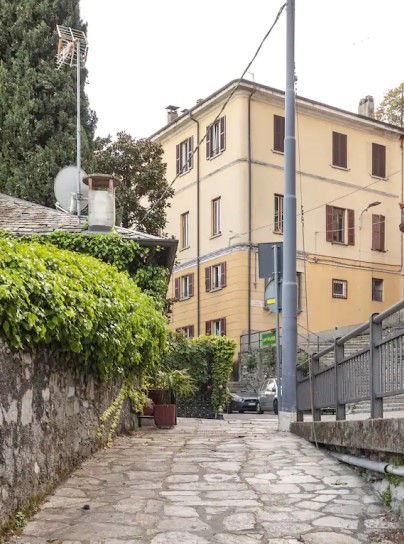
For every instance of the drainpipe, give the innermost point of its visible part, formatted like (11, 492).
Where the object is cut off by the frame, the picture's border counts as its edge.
(377, 466)
(249, 217)
(402, 199)
(198, 268)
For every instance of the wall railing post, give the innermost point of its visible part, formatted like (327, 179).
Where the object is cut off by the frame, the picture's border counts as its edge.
(375, 337)
(340, 409)
(299, 413)
(315, 367)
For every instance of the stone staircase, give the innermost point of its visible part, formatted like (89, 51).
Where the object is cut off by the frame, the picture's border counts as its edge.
(390, 404)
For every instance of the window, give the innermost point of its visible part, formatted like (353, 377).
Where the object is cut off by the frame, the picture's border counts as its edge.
(189, 331)
(278, 215)
(216, 217)
(184, 155)
(215, 277)
(379, 160)
(184, 287)
(216, 138)
(377, 289)
(339, 288)
(378, 228)
(185, 230)
(339, 149)
(340, 225)
(217, 327)
(279, 133)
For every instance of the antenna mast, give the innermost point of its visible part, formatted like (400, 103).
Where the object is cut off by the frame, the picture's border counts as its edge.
(72, 51)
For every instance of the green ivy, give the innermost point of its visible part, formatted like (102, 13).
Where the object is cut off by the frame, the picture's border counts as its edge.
(78, 305)
(126, 255)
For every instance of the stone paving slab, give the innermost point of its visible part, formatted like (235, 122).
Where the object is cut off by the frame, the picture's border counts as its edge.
(219, 482)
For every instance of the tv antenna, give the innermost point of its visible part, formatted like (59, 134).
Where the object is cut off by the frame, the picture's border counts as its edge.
(72, 51)
(65, 188)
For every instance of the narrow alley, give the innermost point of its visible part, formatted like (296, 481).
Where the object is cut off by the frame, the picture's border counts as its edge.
(224, 482)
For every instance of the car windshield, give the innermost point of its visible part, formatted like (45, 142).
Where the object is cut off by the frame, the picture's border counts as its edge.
(268, 385)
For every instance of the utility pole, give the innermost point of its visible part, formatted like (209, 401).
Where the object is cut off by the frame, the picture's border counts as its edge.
(289, 285)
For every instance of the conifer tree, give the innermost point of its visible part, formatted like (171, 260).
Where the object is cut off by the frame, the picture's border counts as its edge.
(37, 101)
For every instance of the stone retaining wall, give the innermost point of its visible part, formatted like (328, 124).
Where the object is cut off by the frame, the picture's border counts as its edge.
(49, 415)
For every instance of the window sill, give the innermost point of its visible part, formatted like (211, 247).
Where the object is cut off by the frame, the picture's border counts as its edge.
(339, 244)
(378, 177)
(379, 250)
(340, 167)
(339, 298)
(184, 298)
(277, 152)
(184, 248)
(184, 173)
(215, 236)
(216, 289)
(278, 232)
(215, 155)
(374, 300)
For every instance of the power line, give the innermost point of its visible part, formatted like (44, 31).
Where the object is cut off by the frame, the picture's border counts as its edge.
(221, 110)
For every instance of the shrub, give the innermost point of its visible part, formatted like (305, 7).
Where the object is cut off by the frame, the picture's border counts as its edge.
(79, 305)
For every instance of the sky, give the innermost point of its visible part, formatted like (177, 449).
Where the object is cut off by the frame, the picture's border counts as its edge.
(146, 55)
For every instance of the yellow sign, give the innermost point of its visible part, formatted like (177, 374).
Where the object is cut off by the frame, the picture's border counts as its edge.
(271, 300)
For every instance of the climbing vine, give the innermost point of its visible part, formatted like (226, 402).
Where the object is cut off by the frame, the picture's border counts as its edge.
(87, 309)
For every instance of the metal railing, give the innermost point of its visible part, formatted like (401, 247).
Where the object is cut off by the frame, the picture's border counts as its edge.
(375, 372)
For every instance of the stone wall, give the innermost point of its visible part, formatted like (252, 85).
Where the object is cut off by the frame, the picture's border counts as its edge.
(49, 415)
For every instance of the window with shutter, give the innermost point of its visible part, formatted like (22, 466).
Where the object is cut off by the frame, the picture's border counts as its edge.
(216, 216)
(223, 275)
(351, 227)
(278, 213)
(185, 156)
(340, 225)
(223, 326)
(208, 328)
(378, 232)
(191, 284)
(328, 224)
(207, 278)
(185, 230)
(378, 160)
(339, 150)
(177, 288)
(279, 133)
(216, 138)
(377, 289)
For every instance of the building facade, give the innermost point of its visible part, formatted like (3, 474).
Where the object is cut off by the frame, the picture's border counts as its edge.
(229, 198)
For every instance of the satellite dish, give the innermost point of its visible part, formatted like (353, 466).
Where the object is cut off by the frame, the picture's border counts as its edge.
(65, 188)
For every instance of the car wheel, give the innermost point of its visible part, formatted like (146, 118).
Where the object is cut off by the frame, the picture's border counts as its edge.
(241, 411)
(259, 409)
(276, 407)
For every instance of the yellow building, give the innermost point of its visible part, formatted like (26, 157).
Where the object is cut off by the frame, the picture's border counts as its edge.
(229, 197)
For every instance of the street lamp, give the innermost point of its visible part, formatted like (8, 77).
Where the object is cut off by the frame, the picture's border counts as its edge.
(371, 205)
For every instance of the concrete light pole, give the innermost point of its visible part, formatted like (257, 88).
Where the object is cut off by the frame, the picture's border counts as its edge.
(287, 411)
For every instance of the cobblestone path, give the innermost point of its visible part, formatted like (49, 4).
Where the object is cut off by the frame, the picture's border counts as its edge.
(222, 482)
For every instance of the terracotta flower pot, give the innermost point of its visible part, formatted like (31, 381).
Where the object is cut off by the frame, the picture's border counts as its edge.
(165, 415)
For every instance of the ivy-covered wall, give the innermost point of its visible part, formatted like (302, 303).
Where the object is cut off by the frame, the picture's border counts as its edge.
(49, 416)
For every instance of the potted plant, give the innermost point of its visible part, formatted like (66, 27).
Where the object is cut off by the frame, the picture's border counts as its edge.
(171, 383)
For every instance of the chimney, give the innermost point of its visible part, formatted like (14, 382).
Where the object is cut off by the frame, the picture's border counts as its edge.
(367, 107)
(101, 201)
(172, 113)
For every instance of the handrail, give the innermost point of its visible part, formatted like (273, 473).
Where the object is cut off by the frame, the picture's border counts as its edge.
(324, 351)
(377, 319)
(355, 332)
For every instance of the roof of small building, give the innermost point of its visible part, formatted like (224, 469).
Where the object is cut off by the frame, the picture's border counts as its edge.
(22, 217)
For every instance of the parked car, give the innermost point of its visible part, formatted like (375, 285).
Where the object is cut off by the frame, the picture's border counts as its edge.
(267, 397)
(242, 402)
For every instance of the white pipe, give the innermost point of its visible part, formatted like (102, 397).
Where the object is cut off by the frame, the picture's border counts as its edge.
(377, 466)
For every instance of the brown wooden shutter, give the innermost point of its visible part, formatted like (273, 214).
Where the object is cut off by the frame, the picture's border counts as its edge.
(191, 331)
(223, 133)
(223, 275)
(328, 224)
(190, 152)
(209, 142)
(351, 227)
(339, 149)
(223, 326)
(177, 151)
(207, 278)
(378, 160)
(279, 133)
(177, 288)
(382, 220)
(208, 328)
(191, 284)
(376, 232)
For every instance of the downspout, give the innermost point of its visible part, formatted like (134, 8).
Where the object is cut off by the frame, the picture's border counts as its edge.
(198, 268)
(401, 201)
(249, 218)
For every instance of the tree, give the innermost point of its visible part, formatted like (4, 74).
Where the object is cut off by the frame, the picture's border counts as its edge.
(37, 101)
(143, 195)
(391, 108)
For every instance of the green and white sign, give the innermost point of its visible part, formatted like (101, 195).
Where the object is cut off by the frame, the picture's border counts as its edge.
(268, 338)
